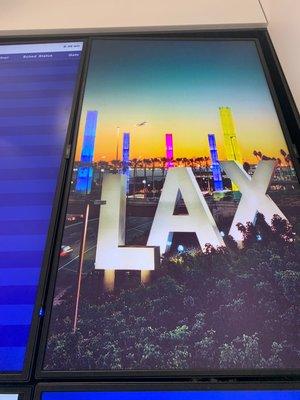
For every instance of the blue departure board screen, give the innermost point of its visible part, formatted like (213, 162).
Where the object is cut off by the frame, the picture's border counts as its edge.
(37, 86)
(177, 395)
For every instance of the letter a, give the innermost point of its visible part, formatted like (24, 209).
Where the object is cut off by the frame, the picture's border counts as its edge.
(198, 220)
(111, 253)
(254, 198)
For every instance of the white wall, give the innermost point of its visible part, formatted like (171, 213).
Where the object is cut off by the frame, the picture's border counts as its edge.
(31, 16)
(284, 28)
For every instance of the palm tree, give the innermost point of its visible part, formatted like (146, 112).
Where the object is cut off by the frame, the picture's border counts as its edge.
(279, 163)
(206, 162)
(288, 160)
(265, 157)
(163, 161)
(146, 162)
(198, 161)
(153, 162)
(103, 164)
(134, 165)
(283, 153)
(255, 154)
(185, 161)
(192, 162)
(117, 165)
(178, 161)
(201, 161)
(246, 167)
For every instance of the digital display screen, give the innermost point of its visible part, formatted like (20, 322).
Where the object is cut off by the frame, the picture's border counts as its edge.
(176, 395)
(9, 396)
(15, 393)
(37, 86)
(180, 249)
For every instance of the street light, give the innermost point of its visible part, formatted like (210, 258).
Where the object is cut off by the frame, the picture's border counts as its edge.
(81, 257)
(118, 137)
(137, 125)
(144, 182)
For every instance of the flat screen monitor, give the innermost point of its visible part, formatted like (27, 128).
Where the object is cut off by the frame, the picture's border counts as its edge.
(15, 393)
(180, 249)
(37, 85)
(168, 392)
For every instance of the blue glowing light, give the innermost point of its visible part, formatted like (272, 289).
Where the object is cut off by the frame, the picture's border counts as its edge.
(126, 149)
(216, 170)
(87, 153)
(85, 172)
(84, 180)
(177, 395)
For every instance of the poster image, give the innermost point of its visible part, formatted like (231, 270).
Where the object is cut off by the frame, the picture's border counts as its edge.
(181, 240)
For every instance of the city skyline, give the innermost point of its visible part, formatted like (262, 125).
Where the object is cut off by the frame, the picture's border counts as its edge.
(178, 87)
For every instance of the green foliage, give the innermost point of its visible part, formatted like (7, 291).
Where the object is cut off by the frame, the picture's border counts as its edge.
(225, 308)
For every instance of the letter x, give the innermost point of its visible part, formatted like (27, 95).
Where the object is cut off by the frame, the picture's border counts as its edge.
(254, 198)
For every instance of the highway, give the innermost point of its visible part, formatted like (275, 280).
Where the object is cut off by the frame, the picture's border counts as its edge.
(72, 237)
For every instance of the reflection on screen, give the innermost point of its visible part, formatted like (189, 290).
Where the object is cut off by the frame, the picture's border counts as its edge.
(37, 83)
(209, 395)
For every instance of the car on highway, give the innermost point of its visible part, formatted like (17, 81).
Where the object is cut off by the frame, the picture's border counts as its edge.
(65, 251)
(74, 217)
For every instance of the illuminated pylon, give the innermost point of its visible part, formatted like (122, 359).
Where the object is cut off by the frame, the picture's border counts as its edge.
(216, 170)
(125, 157)
(85, 171)
(169, 150)
(232, 148)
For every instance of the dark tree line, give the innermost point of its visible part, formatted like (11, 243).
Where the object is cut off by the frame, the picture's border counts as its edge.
(224, 308)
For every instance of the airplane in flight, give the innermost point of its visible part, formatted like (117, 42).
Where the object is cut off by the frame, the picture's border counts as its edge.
(142, 123)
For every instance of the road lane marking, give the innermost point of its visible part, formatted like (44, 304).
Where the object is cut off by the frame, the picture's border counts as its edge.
(75, 258)
(78, 223)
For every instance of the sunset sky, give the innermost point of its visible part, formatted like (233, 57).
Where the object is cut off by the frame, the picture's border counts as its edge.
(178, 87)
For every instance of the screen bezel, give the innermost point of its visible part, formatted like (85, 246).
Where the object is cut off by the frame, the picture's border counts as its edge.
(262, 43)
(162, 387)
(44, 270)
